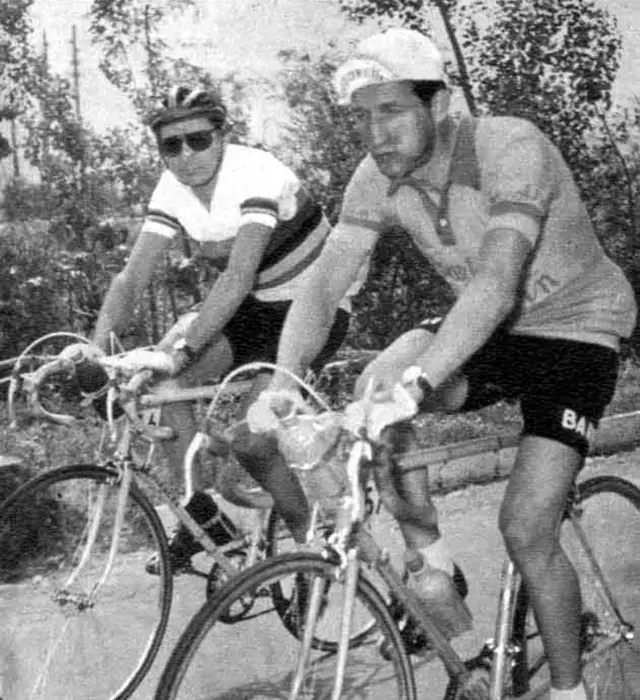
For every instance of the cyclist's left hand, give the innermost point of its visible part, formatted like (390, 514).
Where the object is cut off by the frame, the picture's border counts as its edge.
(266, 412)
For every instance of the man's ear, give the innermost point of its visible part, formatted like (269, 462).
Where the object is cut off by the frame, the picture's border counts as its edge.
(440, 105)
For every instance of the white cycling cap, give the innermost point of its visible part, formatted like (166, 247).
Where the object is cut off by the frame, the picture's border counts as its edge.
(397, 54)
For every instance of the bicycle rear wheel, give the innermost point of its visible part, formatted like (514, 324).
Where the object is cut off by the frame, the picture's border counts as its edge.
(256, 658)
(72, 635)
(607, 510)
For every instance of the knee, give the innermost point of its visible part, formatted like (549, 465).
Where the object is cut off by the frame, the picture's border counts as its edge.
(527, 536)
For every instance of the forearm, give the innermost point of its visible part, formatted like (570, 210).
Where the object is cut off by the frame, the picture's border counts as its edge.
(305, 332)
(115, 312)
(219, 307)
(473, 319)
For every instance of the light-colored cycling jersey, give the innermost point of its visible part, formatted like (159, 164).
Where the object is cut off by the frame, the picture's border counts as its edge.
(252, 186)
(504, 174)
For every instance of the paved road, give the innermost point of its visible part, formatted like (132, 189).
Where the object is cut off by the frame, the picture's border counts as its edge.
(469, 519)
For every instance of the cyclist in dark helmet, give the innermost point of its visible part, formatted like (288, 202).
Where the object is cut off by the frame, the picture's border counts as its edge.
(249, 214)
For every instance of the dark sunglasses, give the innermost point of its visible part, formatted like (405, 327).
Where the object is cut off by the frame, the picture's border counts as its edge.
(196, 140)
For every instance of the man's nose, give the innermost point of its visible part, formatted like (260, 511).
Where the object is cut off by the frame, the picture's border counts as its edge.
(377, 133)
(186, 151)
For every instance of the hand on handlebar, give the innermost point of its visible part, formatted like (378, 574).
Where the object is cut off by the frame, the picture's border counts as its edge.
(376, 411)
(79, 352)
(140, 359)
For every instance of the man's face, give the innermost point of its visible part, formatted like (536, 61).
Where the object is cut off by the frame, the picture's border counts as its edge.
(396, 127)
(179, 145)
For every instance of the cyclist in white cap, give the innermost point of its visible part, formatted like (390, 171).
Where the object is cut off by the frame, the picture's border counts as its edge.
(539, 313)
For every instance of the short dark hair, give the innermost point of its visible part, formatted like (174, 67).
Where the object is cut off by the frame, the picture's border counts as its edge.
(426, 89)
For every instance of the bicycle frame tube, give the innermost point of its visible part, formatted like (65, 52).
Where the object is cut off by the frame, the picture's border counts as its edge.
(371, 553)
(501, 646)
(351, 581)
(200, 535)
(600, 580)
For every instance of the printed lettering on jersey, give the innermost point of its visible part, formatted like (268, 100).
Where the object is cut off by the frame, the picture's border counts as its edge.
(540, 287)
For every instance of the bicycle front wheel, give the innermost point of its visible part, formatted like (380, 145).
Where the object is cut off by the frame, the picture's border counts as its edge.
(601, 536)
(257, 658)
(80, 624)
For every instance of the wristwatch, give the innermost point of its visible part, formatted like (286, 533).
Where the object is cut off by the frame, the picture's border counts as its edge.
(415, 375)
(182, 346)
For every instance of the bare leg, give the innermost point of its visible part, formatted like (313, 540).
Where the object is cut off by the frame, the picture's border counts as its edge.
(259, 456)
(180, 417)
(384, 371)
(534, 501)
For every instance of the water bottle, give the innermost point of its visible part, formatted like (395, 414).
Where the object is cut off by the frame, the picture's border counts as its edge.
(438, 593)
(307, 442)
(305, 439)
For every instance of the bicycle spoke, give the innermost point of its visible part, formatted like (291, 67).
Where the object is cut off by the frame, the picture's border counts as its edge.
(73, 606)
(601, 537)
(609, 573)
(260, 658)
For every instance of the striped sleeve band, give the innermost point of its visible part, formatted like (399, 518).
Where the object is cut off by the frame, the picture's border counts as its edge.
(157, 221)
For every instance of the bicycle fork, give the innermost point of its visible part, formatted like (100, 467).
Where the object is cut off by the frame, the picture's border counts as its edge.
(97, 508)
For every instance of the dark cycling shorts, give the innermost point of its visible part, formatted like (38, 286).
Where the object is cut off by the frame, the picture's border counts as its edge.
(254, 332)
(563, 386)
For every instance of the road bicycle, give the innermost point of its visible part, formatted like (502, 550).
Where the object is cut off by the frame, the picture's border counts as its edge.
(73, 569)
(353, 579)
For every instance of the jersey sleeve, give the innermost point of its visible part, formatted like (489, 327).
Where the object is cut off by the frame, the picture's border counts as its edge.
(276, 194)
(519, 177)
(162, 217)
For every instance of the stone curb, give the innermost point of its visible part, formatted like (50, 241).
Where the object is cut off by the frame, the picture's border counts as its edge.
(489, 459)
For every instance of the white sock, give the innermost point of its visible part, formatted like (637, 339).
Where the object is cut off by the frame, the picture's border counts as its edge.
(577, 693)
(437, 556)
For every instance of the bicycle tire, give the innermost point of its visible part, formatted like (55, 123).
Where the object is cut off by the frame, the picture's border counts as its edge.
(70, 639)
(250, 660)
(275, 525)
(605, 506)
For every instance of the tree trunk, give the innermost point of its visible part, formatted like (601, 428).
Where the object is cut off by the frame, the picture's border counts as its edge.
(465, 81)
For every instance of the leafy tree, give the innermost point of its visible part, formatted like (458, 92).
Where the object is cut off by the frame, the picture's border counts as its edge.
(318, 137)
(411, 14)
(16, 58)
(553, 62)
(131, 35)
